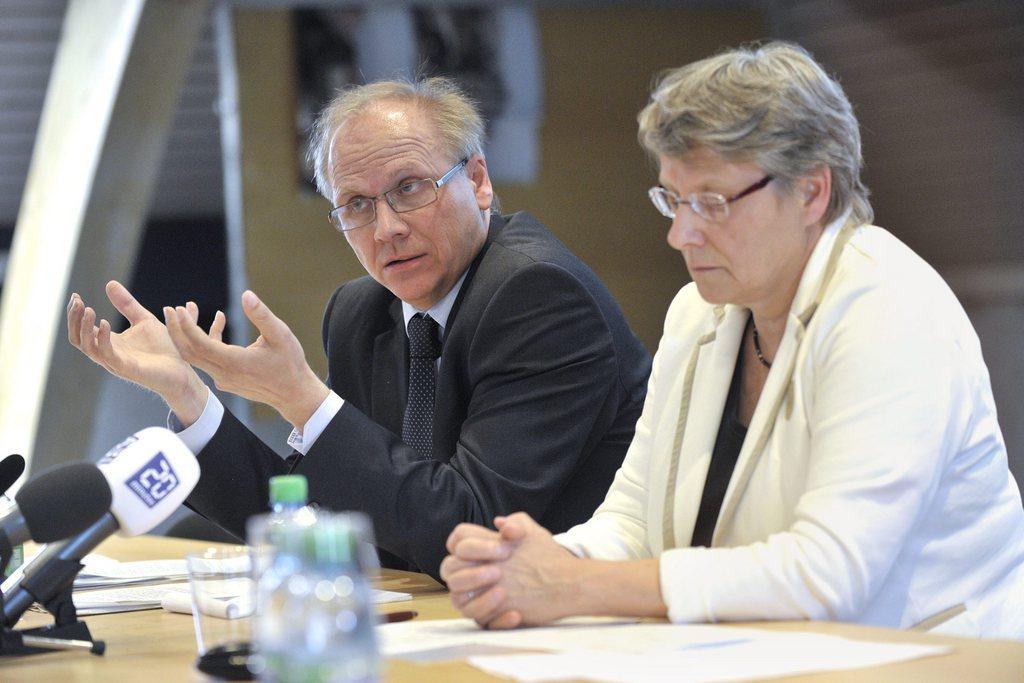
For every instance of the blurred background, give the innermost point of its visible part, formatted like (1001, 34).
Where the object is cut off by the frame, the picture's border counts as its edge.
(168, 152)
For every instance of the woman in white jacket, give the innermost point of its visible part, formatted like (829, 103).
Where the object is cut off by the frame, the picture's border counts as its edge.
(819, 439)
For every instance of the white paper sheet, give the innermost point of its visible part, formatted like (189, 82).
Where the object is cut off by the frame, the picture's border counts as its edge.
(766, 656)
(97, 565)
(101, 571)
(608, 635)
(130, 599)
(619, 651)
(177, 597)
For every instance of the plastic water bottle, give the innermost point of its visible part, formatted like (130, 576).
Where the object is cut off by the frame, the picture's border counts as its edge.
(288, 514)
(270, 540)
(288, 494)
(314, 609)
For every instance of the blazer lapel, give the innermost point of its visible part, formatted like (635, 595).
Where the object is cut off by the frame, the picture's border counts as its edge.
(705, 388)
(449, 407)
(390, 372)
(777, 392)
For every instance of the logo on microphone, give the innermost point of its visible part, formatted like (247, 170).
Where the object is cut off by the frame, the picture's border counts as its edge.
(154, 480)
(112, 454)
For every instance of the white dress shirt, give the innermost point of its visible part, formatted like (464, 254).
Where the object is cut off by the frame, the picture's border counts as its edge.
(200, 432)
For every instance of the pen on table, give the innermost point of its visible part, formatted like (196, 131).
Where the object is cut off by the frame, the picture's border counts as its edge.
(394, 617)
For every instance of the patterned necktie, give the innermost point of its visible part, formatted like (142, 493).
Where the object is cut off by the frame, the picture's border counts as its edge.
(424, 348)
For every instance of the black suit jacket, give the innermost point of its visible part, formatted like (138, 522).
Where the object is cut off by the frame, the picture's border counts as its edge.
(540, 386)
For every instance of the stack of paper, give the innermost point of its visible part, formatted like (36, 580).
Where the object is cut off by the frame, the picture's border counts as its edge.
(101, 571)
(128, 599)
(106, 586)
(177, 597)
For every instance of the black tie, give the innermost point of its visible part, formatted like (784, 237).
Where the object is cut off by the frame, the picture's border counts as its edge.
(424, 348)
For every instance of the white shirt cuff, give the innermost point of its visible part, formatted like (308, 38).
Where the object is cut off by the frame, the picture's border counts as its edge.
(316, 424)
(200, 432)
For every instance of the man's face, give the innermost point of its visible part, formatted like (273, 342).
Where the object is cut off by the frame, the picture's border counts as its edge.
(418, 255)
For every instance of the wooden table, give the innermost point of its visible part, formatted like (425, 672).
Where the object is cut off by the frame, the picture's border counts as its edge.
(158, 646)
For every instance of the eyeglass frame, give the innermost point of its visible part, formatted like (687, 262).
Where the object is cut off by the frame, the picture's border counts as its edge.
(437, 184)
(693, 201)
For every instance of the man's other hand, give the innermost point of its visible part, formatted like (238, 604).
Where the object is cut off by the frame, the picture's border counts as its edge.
(271, 370)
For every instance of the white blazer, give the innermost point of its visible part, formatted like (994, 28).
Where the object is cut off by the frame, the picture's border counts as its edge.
(872, 485)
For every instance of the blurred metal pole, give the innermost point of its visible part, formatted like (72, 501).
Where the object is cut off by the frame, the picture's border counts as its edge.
(234, 216)
(115, 80)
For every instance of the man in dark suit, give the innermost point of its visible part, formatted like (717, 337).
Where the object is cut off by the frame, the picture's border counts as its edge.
(480, 368)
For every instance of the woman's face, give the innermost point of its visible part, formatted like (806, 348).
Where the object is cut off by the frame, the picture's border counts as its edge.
(755, 257)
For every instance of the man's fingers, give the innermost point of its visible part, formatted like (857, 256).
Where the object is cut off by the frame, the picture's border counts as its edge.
(87, 333)
(269, 325)
(105, 348)
(220, 321)
(75, 321)
(125, 303)
(194, 346)
(193, 311)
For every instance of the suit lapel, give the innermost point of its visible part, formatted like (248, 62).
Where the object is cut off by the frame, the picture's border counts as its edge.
(390, 370)
(449, 407)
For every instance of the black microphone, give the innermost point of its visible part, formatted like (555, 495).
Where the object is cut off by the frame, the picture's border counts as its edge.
(147, 477)
(11, 467)
(58, 503)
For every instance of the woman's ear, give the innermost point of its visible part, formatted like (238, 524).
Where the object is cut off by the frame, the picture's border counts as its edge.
(815, 192)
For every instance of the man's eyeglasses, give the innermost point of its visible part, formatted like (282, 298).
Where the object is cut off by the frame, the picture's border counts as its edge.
(409, 196)
(708, 205)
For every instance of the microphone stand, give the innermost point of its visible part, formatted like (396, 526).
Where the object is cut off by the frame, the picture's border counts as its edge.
(68, 632)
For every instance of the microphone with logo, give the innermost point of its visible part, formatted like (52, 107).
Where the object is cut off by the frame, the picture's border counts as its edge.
(149, 475)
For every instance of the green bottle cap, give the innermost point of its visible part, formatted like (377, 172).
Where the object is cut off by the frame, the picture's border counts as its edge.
(288, 489)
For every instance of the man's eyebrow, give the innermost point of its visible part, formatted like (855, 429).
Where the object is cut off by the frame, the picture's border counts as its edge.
(401, 175)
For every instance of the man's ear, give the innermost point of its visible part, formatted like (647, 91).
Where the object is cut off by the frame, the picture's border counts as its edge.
(476, 169)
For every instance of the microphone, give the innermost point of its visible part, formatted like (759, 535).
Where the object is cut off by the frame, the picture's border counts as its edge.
(149, 475)
(11, 468)
(58, 503)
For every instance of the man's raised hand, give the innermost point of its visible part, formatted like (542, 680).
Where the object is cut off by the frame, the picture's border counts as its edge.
(143, 354)
(271, 370)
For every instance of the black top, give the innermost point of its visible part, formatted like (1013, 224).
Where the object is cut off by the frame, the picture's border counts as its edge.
(723, 461)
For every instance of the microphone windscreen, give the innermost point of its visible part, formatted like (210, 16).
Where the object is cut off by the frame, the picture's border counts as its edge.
(11, 468)
(150, 474)
(64, 501)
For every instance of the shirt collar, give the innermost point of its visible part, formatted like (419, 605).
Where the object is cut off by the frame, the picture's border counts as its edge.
(439, 311)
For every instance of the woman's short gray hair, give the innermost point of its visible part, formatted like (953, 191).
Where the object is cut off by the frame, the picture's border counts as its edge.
(772, 105)
(456, 116)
